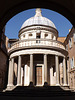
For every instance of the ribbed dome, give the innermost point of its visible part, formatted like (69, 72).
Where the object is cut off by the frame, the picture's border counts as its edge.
(38, 19)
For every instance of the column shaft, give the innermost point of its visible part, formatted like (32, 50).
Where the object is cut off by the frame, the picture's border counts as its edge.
(21, 76)
(19, 71)
(10, 74)
(45, 69)
(64, 72)
(31, 69)
(26, 75)
(57, 69)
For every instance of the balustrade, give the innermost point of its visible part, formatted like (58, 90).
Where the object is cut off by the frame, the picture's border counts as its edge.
(35, 42)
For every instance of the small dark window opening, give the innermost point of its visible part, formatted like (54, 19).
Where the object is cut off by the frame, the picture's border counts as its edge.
(38, 35)
(46, 35)
(24, 35)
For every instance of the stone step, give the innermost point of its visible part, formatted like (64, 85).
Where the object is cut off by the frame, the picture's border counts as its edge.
(50, 91)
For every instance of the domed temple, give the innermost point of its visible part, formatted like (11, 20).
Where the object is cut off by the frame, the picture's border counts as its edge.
(37, 57)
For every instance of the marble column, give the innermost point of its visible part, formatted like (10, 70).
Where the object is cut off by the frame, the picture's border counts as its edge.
(31, 69)
(51, 76)
(57, 69)
(19, 71)
(21, 75)
(10, 73)
(26, 75)
(64, 72)
(45, 69)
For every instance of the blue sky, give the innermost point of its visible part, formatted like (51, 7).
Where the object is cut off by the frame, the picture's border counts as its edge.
(14, 24)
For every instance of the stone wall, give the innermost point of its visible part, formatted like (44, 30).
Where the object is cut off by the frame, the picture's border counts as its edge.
(3, 69)
(70, 47)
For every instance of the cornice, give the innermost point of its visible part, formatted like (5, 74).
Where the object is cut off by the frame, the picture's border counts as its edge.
(39, 47)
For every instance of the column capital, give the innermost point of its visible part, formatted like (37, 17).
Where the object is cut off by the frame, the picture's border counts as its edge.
(45, 54)
(65, 57)
(31, 54)
(56, 55)
(12, 58)
(9, 59)
(19, 55)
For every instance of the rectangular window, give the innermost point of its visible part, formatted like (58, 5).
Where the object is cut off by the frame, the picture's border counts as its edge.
(74, 37)
(9, 45)
(72, 62)
(38, 35)
(70, 42)
(67, 47)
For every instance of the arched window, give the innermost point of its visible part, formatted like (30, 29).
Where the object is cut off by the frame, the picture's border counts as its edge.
(46, 35)
(70, 42)
(38, 35)
(24, 35)
(52, 36)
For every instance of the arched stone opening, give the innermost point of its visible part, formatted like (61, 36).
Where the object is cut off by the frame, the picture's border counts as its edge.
(24, 5)
(44, 4)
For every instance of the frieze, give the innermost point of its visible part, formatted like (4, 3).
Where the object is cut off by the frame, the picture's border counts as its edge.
(41, 27)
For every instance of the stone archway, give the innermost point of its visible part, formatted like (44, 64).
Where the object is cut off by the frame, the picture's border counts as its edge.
(66, 8)
(11, 8)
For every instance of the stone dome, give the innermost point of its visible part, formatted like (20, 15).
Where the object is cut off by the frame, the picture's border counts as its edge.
(38, 19)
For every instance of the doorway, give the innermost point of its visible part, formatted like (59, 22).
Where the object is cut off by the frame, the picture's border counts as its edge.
(38, 75)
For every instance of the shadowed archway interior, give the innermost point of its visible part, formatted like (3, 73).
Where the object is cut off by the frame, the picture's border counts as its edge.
(66, 8)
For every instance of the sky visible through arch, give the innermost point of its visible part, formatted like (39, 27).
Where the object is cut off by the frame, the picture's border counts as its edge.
(14, 24)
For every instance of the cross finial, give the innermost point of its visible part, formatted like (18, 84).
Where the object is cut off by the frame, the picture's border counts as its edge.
(38, 12)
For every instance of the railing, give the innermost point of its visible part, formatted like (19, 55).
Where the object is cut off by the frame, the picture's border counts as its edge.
(37, 42)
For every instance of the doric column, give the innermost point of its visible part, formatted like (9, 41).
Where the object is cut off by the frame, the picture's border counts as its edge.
(21, 75)
(26, 75)
(10, 73)
(19, 71)
(45, 69)
(57, 69)
(64, 72)
(31, 69)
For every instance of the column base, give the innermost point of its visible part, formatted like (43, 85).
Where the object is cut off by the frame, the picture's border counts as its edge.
(18, 85)
(10, 87)
(65, 85)
(68, 85)
(57, 84)
(31, 84)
